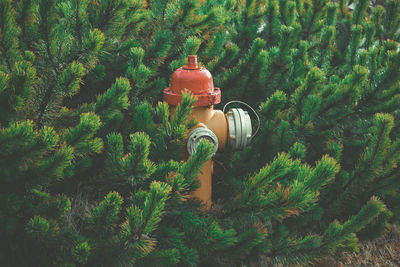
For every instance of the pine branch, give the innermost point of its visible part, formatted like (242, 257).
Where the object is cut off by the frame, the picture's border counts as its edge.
(78, 23)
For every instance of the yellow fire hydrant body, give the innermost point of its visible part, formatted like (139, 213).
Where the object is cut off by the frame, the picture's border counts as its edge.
(215, 121)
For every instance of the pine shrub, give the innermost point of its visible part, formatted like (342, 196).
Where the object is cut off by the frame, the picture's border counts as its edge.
(91, 169)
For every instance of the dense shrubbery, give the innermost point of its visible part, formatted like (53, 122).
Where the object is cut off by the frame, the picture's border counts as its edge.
(90, 163)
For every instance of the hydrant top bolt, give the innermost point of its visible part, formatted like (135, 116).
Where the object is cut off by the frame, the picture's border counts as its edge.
(192, 63)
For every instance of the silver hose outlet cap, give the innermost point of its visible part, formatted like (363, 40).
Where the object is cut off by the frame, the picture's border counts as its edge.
(240, 131)
(198, 134)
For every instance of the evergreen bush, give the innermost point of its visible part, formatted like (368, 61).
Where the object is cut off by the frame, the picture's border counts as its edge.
(91, 170)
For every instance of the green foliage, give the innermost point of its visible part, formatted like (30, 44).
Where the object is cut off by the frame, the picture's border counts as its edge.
(81, 252)
(94, 171)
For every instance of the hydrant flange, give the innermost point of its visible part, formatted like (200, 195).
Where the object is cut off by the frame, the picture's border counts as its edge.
(207, 99)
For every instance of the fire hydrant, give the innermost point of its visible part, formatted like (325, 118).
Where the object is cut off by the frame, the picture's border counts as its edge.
(232, 129)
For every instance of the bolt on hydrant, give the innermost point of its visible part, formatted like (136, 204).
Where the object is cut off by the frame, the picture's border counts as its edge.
(232, 129)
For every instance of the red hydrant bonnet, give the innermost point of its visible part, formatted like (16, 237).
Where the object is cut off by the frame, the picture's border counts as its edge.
(197, 80)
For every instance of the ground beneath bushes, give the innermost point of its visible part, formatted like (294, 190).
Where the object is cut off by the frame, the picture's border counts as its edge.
(382, 252)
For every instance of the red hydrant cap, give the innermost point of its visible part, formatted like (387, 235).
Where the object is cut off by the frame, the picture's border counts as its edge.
(197, 80)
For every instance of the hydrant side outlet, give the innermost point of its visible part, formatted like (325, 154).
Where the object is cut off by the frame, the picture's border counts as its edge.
(199, 134)
(239, 128)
